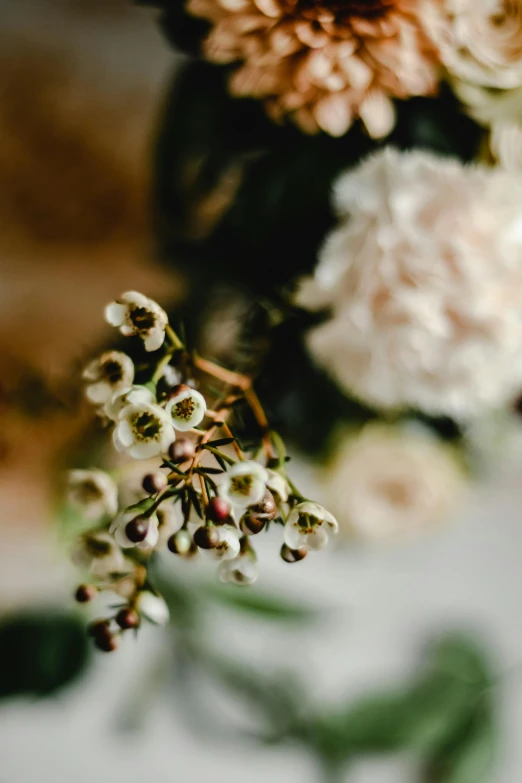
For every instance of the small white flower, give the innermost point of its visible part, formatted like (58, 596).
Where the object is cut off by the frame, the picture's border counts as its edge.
(92, 492)
(136, 314)
(118, 525)
(244, 484)
(308, 525)
(277, 484)
(228, 546)
(133, 396)
(242, 570)
(153, 607)
(170, 520)
(98, 554)
(109, 374)
(143, 430)
(187, 408)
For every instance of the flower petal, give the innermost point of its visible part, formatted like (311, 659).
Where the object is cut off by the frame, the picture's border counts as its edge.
(115, 313)
(154, 340)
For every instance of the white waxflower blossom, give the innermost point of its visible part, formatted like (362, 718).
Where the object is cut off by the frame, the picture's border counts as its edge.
(424, 285)
(136, 314)
(308, 525)
(241, 570)
(143, 430)
(244, 484)
(187, 408)
(390, 481)
(133, 396)
(228, 546)
(111, 373)
(478, 40)
(170, 520)
(153, 607)
(99, 555)
(118, 525)
(93, 493)
(277, 484)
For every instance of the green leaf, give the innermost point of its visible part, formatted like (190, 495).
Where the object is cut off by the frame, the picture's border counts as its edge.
(41, 652)
(268, 607)
(221, 442)
(469, 759)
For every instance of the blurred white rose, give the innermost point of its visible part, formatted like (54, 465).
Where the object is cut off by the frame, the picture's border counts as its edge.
(390, 481)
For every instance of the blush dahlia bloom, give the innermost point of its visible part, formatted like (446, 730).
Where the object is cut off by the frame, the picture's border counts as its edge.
(323, 63)
(424, 284)
(388, 482)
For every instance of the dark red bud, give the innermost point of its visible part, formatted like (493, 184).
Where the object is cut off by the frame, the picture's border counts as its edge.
(85, 593)
(107, 643)
(218, 510)
(137, 529)
(251, 525)
(154, 482)
(266, 509)
(293, 555)
(127, 618)
(182, 450)
(206, 537)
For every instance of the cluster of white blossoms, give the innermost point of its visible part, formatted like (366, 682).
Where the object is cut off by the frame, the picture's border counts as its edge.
(203, 494)
(387, 482)
(422, 278)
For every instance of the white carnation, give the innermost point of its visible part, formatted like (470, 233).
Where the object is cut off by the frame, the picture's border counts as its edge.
(424, 283)
(390, 481)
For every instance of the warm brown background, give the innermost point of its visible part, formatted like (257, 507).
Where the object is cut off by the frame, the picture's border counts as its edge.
(81, 84)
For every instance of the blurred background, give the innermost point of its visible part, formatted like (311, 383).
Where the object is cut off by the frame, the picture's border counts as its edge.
(83, 90)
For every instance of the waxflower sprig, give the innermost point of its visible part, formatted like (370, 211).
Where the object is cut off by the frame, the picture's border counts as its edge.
(206, 494)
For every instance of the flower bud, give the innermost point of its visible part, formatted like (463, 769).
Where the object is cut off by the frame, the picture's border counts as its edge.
(182, 450)
(206, 537)
(251, 525)
(98, 628)
(180, 543)
(85, 593)
(266, 509)
(127, 618)
(107, 643)
(136, 530)
(179, 389)
(154, 482)
(293, 555)
(218, 510)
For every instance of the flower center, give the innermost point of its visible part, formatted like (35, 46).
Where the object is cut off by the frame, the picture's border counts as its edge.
(307, 523)
(146, 426)
(184, 408)
(97, 548)
(340, 8)
(142, 319)
(88, 492)
(112, 371)
(241, 484)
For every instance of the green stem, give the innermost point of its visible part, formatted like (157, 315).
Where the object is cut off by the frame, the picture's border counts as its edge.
(173, 337)
(163, 362)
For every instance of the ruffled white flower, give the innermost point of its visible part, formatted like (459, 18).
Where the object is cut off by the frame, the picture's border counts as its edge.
(242, 570)
(143, 430)
(136, 314)
(99, 555)
(93, 492)
(109, 374)
(506, 144)
(133, 396)
(244, 484)
(479, 40)
(278, 485)
(228, 546)
(153, 607)
(170, 520)
(393, 481)
(308, 525)
(424, 284)
(118, 525)
(187, 408)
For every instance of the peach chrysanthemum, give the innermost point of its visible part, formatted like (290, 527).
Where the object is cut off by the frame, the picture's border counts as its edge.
(323, 63)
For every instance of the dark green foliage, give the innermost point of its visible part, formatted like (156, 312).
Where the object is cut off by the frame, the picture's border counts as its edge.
(41, 652)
